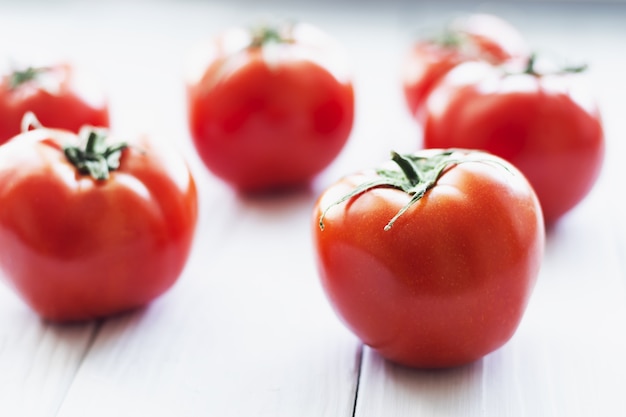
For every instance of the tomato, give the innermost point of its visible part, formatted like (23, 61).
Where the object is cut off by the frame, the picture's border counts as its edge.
(482, 37)
(271, 107)
(90, 227)
(431, 262)
(544, 121)
(61, 96)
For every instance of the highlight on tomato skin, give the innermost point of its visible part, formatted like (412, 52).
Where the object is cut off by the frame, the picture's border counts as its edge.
(91, 226)
(269, 107)
(62, 95)
(430, 260)
(472, 37)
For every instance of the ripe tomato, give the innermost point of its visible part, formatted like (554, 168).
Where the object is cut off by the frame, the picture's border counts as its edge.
(475, 37)
(272, 107)
(78, 242)
(60, 96)
(546, 123)
(432, 262)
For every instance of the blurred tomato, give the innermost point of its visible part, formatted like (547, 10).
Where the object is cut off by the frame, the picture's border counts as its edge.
(545, 121)
(270, 107)
(474, 37)
(61, 96)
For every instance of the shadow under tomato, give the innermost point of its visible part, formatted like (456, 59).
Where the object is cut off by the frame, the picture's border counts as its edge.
(31, 336)
(277, 193)
(279, 201)
(29, 330)
(96, 321)
(77, 337)
(426, 389)
(103, 334)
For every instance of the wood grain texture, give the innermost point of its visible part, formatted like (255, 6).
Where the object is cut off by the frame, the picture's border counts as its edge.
(38, 361)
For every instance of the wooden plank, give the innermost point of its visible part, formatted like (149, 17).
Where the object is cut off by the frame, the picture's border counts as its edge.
(246, 331)
(37, 360)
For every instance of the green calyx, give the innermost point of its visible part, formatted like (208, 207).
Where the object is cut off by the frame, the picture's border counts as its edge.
(531, 68)
(266, 34)
(415, 174)
(96, 158)
(450, 39)
(20, 77)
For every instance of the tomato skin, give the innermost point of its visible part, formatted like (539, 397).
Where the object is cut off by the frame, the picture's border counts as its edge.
(477, 37)
(273, 116)
(75, 248)
(424, 66)
(494, 39)
(449, 282)
(58, 97)
(548, 126)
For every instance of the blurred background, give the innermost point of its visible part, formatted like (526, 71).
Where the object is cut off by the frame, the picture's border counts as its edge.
(139, 48)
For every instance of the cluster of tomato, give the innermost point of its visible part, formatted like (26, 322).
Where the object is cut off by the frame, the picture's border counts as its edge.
(430, 259)
(90, 225)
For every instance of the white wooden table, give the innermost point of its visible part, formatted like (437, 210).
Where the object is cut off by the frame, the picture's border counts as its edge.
(247, 330)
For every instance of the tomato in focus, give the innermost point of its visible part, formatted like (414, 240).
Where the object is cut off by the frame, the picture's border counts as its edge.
(430, 262)
(61, 96)
(476, 37)
(546, 122)
(91, 227)
(271, 107)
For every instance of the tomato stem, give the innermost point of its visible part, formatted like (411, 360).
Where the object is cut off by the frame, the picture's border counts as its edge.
(265, 34)
(96, 158)
(415, 174)
(407, 166)
(531, 68)
(20, 77)
(530, 65)
(449, 39)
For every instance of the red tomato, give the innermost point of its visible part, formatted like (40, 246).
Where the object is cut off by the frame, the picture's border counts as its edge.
(475, 37)
(60, 96)
(546, 124)
(432, 262)
(78, 242)
(271, 108)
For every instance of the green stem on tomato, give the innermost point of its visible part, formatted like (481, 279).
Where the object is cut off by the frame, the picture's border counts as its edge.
(271, 33)
(532, 70)
(530, 64)
(407, 166)
(20, 77)
(265, 35)
(96, 159)
(415, 175)
(449, 39)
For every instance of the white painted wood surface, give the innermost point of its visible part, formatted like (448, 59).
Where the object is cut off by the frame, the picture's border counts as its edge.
(247, 331)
